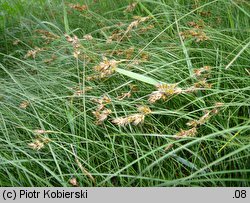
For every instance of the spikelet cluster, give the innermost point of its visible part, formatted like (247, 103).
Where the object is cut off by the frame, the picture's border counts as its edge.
(79, 92)
(199, 36)
(39, 143)
(74, 41)
(78, 7)
(73, 182)
(200, 71)
(130, 7)
(134, 119)
(47, 36)
(208, 114)
(186, 133)
(119, 35)
(194, 124)
(124, 95)
(164, 91)
(24, 104)
(104, 69)
(135, 23)
(88, 37)
(196, 32)
(101, 113)
(145, 29)
(133, 88)
(201, 76)
(33, 53)
(51, 59)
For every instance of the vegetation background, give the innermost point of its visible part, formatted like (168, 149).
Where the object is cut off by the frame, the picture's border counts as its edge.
(73, 73)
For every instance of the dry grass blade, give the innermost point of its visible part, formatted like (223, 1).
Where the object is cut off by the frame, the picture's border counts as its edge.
(84, 171)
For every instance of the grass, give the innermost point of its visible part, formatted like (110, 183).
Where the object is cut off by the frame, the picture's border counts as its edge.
(47, 96)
